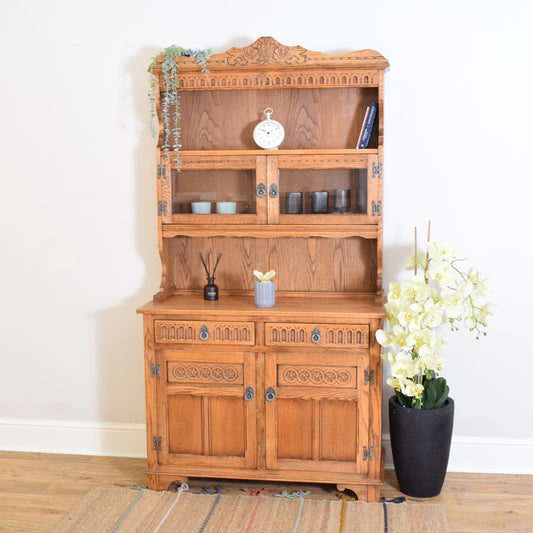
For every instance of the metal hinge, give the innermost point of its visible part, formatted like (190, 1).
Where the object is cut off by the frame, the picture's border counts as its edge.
(368, 453)
(157, 443)
(377, 208)
(155, 370)
(162, 207)
(377, 170)
(369, 377)
(161, 172)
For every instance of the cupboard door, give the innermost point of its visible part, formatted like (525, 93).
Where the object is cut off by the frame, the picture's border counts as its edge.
(334, 189)
(206, 409)
(317, 412)
(213, 189)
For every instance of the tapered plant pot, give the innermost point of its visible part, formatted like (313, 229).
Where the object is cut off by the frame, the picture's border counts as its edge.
(265, 293)
(420, 442)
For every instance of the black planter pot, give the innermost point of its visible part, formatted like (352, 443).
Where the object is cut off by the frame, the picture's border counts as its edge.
(420, 441)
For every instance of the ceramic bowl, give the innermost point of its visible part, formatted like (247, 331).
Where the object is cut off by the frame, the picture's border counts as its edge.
(201, 208)
(226, 208)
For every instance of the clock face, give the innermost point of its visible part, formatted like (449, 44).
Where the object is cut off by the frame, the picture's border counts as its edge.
(269, 134)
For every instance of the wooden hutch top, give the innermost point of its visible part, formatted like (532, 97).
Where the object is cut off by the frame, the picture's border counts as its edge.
(261, 64)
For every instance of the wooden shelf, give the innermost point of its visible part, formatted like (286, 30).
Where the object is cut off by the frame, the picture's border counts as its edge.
(314, 151)
(239, 305)
(267, 231)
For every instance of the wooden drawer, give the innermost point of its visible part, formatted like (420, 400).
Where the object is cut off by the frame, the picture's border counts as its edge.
(332, 335)
(204, 332)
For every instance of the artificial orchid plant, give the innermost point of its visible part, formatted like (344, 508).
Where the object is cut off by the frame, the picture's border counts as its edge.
(440, 292)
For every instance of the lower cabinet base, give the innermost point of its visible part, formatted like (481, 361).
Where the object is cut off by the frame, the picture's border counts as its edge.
(365, 489)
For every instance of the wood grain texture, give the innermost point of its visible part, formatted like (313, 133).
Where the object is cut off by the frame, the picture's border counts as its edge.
(312, 118)
(37, 490)
(270, 407)
(301, 264)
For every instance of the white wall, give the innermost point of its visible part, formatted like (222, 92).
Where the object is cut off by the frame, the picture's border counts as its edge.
(77, 208)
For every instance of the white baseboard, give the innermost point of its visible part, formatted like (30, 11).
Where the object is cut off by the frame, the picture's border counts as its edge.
(468, 454)
(79, 438)
(483, 455)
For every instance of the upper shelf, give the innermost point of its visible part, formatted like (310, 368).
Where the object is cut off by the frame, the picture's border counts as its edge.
(315, 158)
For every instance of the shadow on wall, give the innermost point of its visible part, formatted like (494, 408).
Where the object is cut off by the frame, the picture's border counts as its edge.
(119, 329)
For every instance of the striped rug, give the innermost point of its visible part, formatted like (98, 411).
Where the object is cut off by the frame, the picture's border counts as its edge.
(124, 510)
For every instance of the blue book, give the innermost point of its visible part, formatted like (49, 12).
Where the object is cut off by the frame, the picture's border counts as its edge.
(369, 123)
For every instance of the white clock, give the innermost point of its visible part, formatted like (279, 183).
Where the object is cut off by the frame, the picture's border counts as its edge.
(269, 134)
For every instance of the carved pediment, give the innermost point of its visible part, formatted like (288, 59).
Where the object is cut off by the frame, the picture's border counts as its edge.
(267, 54)
(265, 51)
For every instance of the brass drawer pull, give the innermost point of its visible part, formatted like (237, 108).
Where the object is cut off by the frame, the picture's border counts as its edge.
(270, 394)
(204, 333)
(315, 336)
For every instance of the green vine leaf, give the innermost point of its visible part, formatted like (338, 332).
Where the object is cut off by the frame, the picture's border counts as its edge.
(170, 101)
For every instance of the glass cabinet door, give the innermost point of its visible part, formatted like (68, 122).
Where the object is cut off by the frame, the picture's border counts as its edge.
(246, 188)
(334, 190)
(213, 190)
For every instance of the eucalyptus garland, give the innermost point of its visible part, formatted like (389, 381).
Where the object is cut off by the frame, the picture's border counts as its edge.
(171, 96)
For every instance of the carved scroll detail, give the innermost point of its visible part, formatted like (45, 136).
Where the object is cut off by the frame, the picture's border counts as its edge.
(264, 51)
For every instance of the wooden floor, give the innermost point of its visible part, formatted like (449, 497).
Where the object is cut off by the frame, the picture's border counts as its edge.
(37, 490)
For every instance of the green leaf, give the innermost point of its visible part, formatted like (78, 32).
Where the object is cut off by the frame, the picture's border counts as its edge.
(430, 395)
(404, 401)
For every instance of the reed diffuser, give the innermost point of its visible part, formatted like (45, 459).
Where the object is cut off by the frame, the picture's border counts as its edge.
(210, 290)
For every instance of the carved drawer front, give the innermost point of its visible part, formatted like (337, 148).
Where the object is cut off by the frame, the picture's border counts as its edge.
(204, 332)
(332, 335)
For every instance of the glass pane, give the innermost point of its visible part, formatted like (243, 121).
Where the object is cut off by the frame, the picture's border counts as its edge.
(324, 191)
(199, 191)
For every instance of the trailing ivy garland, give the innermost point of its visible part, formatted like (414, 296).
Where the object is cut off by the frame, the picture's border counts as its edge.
(171, 96)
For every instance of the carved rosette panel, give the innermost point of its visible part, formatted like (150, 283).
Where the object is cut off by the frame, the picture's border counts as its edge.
(197, 332)
(179, 372)
(274, 80)
(318, 376)
(302, 334)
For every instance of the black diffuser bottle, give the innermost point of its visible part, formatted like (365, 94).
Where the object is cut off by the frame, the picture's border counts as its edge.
(210, 290)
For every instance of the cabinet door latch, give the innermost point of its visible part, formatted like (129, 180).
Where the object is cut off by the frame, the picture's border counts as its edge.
(273, 191)
(261, 190)
(270, 394)
(249, 394)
